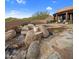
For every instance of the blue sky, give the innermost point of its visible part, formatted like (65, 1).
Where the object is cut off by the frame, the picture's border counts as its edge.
(26, 8)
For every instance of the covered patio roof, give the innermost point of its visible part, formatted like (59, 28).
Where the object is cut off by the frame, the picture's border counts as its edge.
(62, 11)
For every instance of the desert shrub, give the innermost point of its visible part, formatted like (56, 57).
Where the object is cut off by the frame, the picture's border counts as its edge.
(40, 15)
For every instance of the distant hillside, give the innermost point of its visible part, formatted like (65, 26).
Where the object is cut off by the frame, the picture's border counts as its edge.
(36, 16)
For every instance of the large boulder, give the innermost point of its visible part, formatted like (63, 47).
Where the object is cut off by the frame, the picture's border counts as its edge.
(36, 29)
(38, 35)
(30, 26)
(24, 30)
(20, 39)
(30, 37)
(10, 34)
(44, 31)
(33, 50)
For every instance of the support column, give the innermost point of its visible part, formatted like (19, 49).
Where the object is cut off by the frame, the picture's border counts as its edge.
(56, 18)
(66, 16)
(59, 19)
(70, 16)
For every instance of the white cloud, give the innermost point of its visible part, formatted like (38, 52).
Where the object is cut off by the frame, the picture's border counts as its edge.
(12, 13)
(54, 1)
(17, 14)
(21, 1)
(49, 8)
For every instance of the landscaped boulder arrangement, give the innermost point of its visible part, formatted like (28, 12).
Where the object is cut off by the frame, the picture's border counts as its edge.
(44, 31)
(10, 34)
(30, 37)
(34, 42)
(33, 50)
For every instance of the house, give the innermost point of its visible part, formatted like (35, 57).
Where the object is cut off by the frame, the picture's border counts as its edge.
(64, 15)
